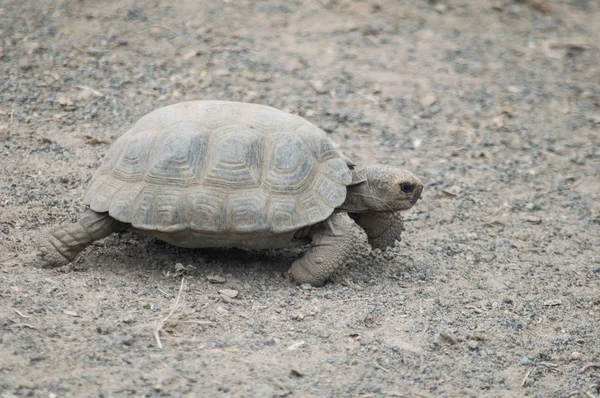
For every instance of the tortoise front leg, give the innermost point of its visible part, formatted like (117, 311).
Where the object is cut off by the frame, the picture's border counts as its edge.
(382, 228)
(333, 243)
(61, 244)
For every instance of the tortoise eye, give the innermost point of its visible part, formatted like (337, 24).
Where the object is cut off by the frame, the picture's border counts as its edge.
(406, 187)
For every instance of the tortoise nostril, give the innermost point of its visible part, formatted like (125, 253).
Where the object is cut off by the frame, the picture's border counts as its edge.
(407, 187)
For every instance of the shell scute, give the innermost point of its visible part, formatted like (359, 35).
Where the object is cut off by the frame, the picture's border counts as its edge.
(169, 212)
(284, 215)
(207, 211)
(248, 212)
(290, 166)
(236, 159)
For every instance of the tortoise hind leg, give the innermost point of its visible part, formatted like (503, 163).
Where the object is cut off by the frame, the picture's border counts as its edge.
(61, 244)
(334, 242)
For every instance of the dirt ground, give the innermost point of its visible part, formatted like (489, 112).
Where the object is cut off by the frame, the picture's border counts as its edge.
(494, 289)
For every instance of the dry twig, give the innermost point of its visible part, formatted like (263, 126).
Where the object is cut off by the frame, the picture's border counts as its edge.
(525, 378)
(161, 323)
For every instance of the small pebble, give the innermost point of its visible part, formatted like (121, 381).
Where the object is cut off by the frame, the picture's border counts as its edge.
(596, 270)
(231, 293)
(126, 339)
(296, 345)
(575, 356)
(297, 317)
(104, 330)
(472, 344)
(319, 87)
(222, 310)
(525, 361)
(441, 8)
(216, 279)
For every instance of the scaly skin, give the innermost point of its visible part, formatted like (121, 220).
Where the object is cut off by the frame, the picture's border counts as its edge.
(61, 244)
(334, 242)
(382, 228)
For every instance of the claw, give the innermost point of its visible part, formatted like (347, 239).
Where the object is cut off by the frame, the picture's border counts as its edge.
(45, 257)
(37, 261)
(288, 275)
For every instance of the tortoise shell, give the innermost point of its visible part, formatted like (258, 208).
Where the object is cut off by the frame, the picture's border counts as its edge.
(215, 167)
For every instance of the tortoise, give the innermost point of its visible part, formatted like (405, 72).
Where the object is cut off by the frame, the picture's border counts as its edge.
(228, 174)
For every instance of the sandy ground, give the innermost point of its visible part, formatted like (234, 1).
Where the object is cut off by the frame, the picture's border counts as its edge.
(494, 289)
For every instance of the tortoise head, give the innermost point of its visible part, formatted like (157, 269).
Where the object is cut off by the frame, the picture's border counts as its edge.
(382, 188)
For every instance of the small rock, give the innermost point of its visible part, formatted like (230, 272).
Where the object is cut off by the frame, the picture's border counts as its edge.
(66, 103)
(296, 345)
(575, 356)
(134, 13)
(25, 65)
(194, 51)
(428, 100)
(24, 392)
(525, 360)
(453, 190)
(231, 293)
(295, 373)
(319, 87)
(552, 302)
(445, 338)
(596, 270)
(222, 310)
(216, 279)
(227, 299)
(297, 317)
(507, 300)
(533, 220)
(70, 313)
(532, 207)
(473, 345)
(36, 357)
(126, 339)
(441, 8)
(306, 286)
(102, 329)
(94, 51)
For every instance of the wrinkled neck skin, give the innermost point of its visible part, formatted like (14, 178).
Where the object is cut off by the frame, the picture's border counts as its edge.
(355, 198)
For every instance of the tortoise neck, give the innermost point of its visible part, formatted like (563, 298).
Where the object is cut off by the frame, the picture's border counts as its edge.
(355, 199)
